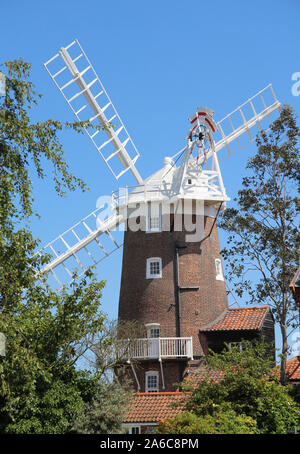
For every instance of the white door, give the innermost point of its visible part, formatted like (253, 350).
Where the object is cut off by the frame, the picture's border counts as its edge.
(153, 342)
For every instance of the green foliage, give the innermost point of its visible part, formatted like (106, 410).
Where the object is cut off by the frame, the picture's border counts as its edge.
(263, 240)
(294, 391)
(246, 399)
(223, 422)
(255, 358)
(41, 388)
(105, 413)
(24, 144)
(40, 392)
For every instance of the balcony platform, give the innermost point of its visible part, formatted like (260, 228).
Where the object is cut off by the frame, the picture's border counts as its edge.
(157, 348)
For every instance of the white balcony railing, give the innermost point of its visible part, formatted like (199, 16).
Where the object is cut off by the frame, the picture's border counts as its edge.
(207, 185)
(142, 193)
(162, 347)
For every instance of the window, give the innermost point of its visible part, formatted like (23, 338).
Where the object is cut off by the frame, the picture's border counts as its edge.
(153, 268)
(154, 333)
(154, 219)
(133, 430)
(154, 224)
(151, 382)
(189, 181)
(219, 271)
(153, 330)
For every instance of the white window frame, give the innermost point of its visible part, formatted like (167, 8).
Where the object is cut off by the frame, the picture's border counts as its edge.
(149, 275)
(135, 430)
(155, 215)
(130, 428)
(151, 327)
(219, 270)
(151, 373)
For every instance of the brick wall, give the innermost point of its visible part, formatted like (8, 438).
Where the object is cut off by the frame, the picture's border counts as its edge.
(155, 300)
(172, 374)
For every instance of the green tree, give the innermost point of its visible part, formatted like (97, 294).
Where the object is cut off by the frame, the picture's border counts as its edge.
(295, 393)
(43, 331)
(105, 413)
(221, 422)
(41, 390)
(247, 394)
(263, 240)
(111, 348)
(26, 145)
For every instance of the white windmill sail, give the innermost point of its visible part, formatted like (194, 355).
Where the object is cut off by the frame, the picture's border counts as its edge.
(86, 243)
(240, 127)
(79, 84)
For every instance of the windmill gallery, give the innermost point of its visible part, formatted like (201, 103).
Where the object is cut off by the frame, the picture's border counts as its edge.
(172, 279)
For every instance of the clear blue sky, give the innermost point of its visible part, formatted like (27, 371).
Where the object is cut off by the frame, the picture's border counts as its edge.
(159, 61)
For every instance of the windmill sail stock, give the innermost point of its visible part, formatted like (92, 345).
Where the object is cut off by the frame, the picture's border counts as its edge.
(239, 128)
(91, 240)
(80, 247)
(77, 81)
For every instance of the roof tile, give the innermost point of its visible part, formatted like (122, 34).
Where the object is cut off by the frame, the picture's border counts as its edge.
(293, 368)
(240, 318)
(153, 407)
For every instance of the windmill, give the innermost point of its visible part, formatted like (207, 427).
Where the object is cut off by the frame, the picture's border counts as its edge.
(172, 279)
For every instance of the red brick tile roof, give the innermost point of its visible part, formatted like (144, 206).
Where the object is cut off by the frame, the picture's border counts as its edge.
(240, 318)
(293, 368)
(201, 373)
(153, 407)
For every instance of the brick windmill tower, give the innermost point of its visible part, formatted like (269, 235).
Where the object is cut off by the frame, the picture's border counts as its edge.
(172, 279)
